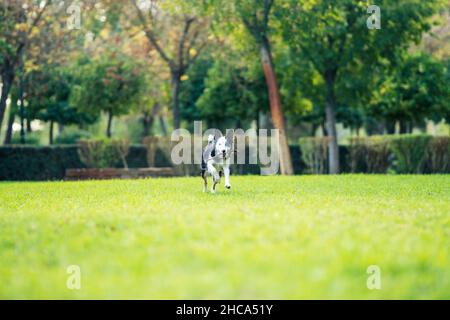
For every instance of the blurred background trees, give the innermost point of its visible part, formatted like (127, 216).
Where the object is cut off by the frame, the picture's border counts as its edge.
(135, 68)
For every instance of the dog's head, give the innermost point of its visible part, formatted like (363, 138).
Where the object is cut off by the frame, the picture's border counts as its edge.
(224, 145)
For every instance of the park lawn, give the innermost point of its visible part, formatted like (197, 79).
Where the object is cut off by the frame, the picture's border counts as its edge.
(268, 237)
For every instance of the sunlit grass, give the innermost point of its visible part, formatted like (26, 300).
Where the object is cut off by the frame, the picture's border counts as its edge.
(268, 237)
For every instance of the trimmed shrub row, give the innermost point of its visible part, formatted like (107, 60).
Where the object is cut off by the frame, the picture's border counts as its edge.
(50, 162)
(378, 154)
(400, 154)
(33, 163)
(37, 163)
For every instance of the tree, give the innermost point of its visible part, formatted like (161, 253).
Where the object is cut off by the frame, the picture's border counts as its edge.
(415, 90)
(13, 111)
(178, 51)
(20, 21)
(47, 94)
(193, 88)
(255, 15)
(112, 83)
(233, 95)
(156, 92)
(333, 36)
(300, 87)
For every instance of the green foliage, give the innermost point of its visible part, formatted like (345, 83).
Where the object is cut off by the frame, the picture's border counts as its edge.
(111, 83)
(103, 152)
(48, 92)
(314, 153)
(369, 154)
(50, 162)
(417, 88)
(192, 89)
(402, 154)
(165, 239)
(72, 136)
(301, 88)
(30, 138)
(410, 152)
(438, 155)
(337, 35)
(334, 39)
(233, 94)
(37, 163)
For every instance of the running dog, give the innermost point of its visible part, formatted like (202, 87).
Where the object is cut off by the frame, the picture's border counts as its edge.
(216, 160)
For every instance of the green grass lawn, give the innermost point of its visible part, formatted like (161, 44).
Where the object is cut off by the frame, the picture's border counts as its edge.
(268, 237)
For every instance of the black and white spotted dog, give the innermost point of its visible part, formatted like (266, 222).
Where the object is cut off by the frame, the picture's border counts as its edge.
(216, 160)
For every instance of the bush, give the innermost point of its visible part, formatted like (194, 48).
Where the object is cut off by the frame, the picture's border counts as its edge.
(51, 162)
(103, 153)
(37, 163)
(72, 136)
(137, 156)
(32, 138)
(369, 154)
(297, 162)
(410, 152)
(314, 153)
(438, 155)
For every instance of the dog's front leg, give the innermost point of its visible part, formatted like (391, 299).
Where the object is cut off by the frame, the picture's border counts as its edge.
(215, 176)
(226, 172)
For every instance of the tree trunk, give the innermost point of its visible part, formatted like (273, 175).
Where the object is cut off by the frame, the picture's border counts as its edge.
(28, 121)
(7, 80)
(258, 123)
(50, 136)
(145, 125)
(175, 99)
(8, 135)
(163, 126)
(275, 107)
(108, 127)
(149, 118)
(409, 127)
(330, 112)
(403, 127)
(324, 128)
(313, 129)
(22, 108)
(390, 127)
(374, 127)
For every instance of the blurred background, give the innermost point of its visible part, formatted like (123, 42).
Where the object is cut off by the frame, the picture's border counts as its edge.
(353, 87)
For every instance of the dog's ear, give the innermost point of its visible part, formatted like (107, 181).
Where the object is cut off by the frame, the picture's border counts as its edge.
(210, 150)
(229, 137)
(211, 138)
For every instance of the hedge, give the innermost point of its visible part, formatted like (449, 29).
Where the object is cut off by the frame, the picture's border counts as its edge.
(313, 153)
(37, 163)
(50, 162)
(378, 154)
(369, 154)
(411, 153)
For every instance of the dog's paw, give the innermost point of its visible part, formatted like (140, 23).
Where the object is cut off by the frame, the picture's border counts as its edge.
(228, 186)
